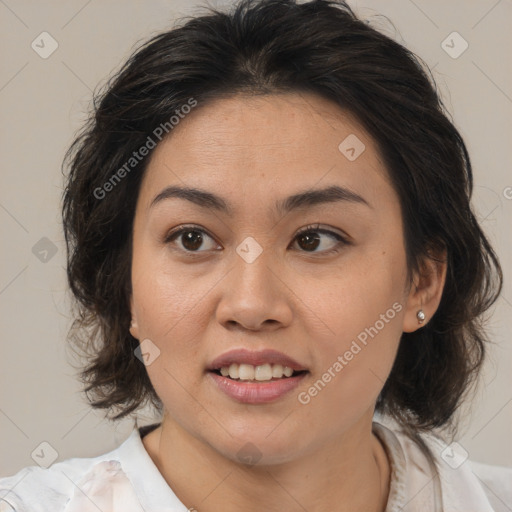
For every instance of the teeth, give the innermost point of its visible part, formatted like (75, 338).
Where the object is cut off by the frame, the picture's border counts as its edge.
(262, 372)
(277, 370)
(287, 371)
(233, 371)
(246, 372)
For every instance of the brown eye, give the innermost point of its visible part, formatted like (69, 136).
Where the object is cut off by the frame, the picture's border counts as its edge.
(189, 239)
(311, 237)
(310, 241)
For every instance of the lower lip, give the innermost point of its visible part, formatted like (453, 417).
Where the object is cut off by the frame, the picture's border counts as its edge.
(254, 392)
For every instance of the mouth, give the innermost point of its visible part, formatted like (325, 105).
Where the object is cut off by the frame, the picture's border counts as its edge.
(255, 377)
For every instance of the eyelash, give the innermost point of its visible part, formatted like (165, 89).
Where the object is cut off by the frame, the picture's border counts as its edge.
(312, 228)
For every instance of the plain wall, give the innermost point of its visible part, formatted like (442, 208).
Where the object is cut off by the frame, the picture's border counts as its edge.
(42, 104)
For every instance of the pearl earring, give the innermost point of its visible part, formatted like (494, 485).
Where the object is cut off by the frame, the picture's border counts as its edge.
(420, 315)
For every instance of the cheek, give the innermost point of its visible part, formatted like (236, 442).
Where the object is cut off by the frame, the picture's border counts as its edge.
(354, 366)
(364, 338)
(162, 293)
(361, 312)
(169, 307)
(356, 295)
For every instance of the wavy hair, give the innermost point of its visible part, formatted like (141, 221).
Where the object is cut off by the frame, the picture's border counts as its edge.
(265, 47)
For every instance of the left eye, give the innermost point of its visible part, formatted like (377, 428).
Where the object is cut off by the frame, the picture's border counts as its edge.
(310, 237)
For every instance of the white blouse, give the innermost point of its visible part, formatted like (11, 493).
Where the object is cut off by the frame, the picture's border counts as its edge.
(127, 480)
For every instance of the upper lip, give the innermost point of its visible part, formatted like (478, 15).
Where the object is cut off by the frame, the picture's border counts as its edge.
(255, 358)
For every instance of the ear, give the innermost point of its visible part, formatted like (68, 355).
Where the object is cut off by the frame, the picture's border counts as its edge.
(134, 326)
(426, 290)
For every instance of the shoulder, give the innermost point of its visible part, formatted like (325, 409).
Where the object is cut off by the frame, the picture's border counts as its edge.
(497, 484)
(442, 476)
(37, 488)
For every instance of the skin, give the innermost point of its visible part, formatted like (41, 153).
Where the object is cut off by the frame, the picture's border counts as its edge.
(252, 151)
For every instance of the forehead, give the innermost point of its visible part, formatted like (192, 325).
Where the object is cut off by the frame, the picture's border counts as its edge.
(262, 146)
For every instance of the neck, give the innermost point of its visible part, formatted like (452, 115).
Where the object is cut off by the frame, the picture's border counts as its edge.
(349, 473)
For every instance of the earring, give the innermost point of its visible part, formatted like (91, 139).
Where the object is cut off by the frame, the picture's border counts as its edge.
(420, 315)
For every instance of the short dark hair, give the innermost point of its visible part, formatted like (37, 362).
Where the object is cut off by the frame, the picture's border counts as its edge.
(265, 47)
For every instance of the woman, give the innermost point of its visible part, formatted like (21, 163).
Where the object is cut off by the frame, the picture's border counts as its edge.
(270, 239)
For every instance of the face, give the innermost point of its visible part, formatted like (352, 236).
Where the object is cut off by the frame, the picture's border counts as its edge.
(320, 278)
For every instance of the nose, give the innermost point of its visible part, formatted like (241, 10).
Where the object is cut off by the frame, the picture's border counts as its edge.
(255, 296)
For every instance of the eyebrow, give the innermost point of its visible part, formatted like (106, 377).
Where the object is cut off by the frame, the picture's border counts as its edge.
(301, 200)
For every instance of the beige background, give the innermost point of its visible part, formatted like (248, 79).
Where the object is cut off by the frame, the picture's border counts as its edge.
(42, 103)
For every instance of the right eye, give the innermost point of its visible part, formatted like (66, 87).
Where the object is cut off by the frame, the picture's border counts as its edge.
(189, 239)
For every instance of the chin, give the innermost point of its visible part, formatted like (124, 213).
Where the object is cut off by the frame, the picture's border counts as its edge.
(255, 447)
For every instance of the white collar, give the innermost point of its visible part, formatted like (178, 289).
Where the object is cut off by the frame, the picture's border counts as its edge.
(415, 485)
